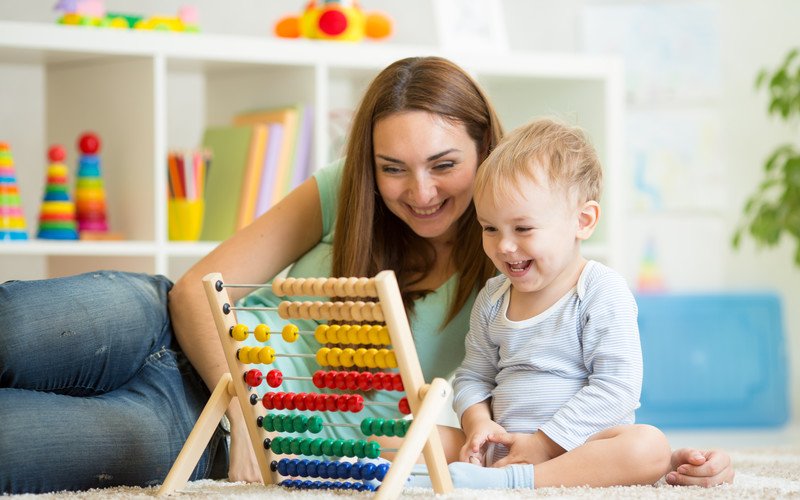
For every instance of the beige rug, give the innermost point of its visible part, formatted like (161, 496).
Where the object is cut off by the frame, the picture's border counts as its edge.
(760, 474)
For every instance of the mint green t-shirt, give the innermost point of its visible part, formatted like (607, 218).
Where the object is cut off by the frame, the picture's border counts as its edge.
(440, 349)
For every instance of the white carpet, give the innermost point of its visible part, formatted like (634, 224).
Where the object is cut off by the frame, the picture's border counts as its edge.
(760, 474)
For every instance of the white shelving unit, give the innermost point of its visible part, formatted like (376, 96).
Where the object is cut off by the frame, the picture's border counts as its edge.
(146, 92)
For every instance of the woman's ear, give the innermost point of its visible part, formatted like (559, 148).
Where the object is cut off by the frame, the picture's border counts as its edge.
(588, 217)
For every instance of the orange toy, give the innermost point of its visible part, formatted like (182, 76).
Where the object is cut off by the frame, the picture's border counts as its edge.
(335, 20)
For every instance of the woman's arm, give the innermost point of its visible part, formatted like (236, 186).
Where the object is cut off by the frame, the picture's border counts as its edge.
(254, 254)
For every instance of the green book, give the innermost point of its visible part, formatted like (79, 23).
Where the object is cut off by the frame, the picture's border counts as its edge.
(229, 147)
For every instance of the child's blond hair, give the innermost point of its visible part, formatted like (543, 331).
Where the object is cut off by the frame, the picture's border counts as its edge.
(562, 152)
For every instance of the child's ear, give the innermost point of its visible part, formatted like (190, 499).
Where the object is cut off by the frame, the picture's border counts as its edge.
(588, 217)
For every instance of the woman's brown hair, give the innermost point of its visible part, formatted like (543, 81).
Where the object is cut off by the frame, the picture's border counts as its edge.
(369, 237)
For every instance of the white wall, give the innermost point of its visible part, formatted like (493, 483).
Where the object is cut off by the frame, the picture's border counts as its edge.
(752, 35)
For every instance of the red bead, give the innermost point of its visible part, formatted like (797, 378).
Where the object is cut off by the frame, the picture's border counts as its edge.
(318, 379)
(341, 380)
(253, 377)
(356, 403)
(388, 381)
(365, 381)
(398, 382)
(331, 402)
(56, 153)
(89, 143)
(351, 381)
(289, 401)
(311, 401)
(274, 378)
(377, 381)
(277, 401)
(341, 401)
(321, 402)
(300, 401)
(267, 400)
(403, 406)
(330, 380)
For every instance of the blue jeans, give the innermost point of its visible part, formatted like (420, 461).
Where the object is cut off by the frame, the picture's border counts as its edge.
(94, 390)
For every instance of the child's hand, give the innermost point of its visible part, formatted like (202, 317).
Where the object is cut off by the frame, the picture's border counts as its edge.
(243, 464)
(474, 450)
(700, 468)
(525, 448)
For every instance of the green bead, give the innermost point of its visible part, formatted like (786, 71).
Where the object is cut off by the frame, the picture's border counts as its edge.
(268, 423)
(316, 446)
(358, 449)
(300, 423)
(278, 423)
(366, 426)
(315, 424)
(377, 427)
(305, 446)
(336, 447)
(400, 427)
(275, 444)
(286, 445)
(373, 449)
(295, 448)
(327, 445)
(348, 448)
(388, 427)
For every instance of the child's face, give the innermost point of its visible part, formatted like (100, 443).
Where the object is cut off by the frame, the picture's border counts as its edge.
(531, 236)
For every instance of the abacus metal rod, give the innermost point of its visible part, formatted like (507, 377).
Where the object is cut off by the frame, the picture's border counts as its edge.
(247, 285)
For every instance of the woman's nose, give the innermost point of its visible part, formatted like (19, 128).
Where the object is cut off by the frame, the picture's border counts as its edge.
(423, 190)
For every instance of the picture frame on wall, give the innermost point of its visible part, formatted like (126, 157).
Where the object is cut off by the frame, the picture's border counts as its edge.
(471, 25)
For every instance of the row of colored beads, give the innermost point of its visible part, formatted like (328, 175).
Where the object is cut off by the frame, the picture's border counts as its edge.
(288, 445)
(325, 485)
(301, 467)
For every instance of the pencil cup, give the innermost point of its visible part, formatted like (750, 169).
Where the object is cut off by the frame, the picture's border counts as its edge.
(185, 219)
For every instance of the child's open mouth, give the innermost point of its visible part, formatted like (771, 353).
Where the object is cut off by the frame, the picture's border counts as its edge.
(519, 267)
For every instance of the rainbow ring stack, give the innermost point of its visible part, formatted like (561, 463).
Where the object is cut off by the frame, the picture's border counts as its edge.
(12, 221)
(57, 217)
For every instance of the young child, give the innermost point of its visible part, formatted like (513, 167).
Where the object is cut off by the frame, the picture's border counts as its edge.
(553, 366)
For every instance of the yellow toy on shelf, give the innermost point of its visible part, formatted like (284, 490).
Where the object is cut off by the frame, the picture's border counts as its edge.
(342, 20)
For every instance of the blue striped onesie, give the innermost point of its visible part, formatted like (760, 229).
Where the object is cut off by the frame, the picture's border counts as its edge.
(571, 371)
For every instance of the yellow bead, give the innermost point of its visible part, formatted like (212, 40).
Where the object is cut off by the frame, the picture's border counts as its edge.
(346, 358)
(363, 334)
(374, 337)
(239, 332)
(344, 330)
(289, 333)
(321, 334)
(369, 358)
(322, 356)
(352, 334)
(333, 357)
(244, 354)
(262, 333)
(391, 360)
(267, 355)
(358, 357)
(380, 358)
(254, 352)
(333, 334)
(383, 336)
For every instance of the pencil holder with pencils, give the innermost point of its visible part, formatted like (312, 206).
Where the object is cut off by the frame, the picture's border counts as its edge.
(187, 175)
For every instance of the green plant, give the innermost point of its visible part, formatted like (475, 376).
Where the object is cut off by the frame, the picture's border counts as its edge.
(774, 208)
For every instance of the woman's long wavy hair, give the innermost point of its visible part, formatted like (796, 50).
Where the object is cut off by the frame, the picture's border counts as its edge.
(369, 238)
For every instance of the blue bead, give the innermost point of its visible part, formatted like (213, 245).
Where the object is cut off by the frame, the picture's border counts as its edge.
(332, 472)
(282, 467)
(344, 469)
(381, 471)
(307, 485)
(368, 471)
(302, 468)
(291, 468)
(355, 471)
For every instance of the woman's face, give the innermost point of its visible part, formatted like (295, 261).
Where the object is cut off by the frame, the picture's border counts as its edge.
(424, 168)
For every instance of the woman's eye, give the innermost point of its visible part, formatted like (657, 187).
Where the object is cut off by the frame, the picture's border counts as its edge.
(445, 165)
(390, 169)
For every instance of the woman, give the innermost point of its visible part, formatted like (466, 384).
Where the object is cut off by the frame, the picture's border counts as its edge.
(89, 366)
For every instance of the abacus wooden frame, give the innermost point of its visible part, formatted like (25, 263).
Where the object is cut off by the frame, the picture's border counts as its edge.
(426, 401)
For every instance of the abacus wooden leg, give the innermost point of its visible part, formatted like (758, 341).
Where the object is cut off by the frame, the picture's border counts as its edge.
(198, 439)
(422, 435)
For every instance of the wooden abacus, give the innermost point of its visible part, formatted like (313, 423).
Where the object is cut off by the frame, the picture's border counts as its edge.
(424, 401)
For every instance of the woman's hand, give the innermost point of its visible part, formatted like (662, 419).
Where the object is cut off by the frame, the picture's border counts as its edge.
(526, 448)
(691, 467)
(243, 464)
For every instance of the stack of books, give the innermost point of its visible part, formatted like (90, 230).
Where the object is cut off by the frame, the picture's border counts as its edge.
(255, 162)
